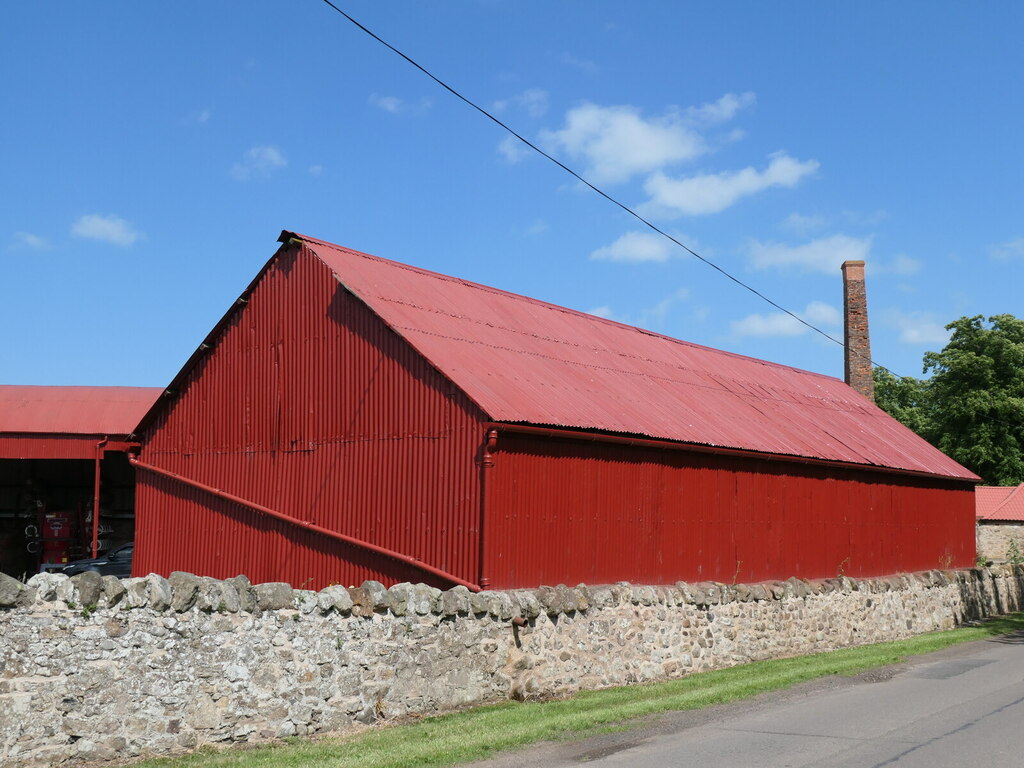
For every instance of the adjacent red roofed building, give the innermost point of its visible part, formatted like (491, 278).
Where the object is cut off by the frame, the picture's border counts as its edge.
(1000, 514)
(352, 417)
(62, 450)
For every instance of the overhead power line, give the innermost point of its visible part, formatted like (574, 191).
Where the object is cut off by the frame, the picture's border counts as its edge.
(584, 181)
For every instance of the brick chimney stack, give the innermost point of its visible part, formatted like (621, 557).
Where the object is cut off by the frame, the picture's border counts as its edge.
(855, 322)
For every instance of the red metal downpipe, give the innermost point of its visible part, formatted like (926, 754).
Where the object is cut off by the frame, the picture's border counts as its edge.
(486, 463)
(309, 526)
(668, 445)
(96, 498)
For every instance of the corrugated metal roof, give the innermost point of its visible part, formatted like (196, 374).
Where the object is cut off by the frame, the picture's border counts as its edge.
(73, 410)
(997, 502)
(524, 360)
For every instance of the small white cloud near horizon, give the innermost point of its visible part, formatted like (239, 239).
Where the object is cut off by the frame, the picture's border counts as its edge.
(30, 240)
(826, 254)
(721, 111)
(391, 104)
(397, 106)
(603, 311)
(512, 150)
(916, 327)
(583, 65)
(107, 229)
(656, 315)
(616, 143)
(802, 225)
(537, 228)
(779, 324)
(259, 161)
(901, 264)
(714, 192)
(533, 101)
(1011, 249)
(634, 247)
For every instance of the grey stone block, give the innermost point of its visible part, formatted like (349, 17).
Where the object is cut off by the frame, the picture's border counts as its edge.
(273, 596)
(378, 595)
(113, 590)
(246, 595)
(184, 589)
(89, 586)
(10, 591)
(335, 598)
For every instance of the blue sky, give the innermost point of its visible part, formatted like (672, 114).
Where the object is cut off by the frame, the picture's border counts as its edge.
(151, 155)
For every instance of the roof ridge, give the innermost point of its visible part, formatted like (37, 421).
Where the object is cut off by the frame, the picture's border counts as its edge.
(1011, 496)
(557, 307)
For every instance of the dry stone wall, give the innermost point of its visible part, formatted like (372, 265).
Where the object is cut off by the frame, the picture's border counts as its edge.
(97, 668)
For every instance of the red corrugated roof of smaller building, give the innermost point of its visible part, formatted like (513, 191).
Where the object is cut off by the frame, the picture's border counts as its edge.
(527, 361)
(999, 502)
(74, 410)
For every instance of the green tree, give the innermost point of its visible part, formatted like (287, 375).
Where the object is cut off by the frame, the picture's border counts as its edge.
(904, 398)
(975, 397)
(972, 407)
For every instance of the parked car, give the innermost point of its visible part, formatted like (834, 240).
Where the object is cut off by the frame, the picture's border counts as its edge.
(117, 562)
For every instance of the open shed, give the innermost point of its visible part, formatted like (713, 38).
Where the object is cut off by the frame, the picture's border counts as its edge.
(352, 417)
(62, 451)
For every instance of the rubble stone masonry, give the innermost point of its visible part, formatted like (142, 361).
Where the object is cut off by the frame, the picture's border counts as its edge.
(95, 668)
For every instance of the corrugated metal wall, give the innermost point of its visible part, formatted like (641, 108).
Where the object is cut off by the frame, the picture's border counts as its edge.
(309, 405)
(576, 511)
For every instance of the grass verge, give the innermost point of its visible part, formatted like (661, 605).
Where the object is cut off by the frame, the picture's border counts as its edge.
(476, 734)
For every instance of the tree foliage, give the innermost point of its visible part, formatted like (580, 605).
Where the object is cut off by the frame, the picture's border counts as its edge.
(972, 406)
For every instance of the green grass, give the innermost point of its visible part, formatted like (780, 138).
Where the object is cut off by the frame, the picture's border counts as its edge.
(478, 733)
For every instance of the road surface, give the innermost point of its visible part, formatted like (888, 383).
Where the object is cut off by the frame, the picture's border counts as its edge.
(959, 707)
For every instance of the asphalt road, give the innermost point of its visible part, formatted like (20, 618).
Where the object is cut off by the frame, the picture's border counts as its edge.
(962, 706)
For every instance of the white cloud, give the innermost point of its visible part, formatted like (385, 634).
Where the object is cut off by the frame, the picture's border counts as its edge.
(916, 327)
(603, 311)
(539, 227)
(659, 311)
(29, 240)
(108, 229)
(635, 247)
(1011, 249)
(901, 264)
(584, 65)
(315, 170)
(391, 104)
(533, 101)
(721, 111)
(711, 193)
(512, 150)
(802, 225)
(396, 106)
(616, 143)
(779, 324)
(823, 255)
(259, 161)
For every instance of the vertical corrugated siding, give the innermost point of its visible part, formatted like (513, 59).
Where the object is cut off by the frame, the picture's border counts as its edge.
(568, 511)
(308, 404)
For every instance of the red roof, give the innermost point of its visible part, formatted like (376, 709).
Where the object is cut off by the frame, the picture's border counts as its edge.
(523, 360)
(74, 410)
(997, 502)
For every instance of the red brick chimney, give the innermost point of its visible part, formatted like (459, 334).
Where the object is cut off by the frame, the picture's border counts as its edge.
(855, 322)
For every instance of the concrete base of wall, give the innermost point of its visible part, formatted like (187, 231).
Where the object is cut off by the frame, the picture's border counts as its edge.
(95, 668)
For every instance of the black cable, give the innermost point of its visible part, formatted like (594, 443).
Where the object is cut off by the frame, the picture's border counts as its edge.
(570, 171)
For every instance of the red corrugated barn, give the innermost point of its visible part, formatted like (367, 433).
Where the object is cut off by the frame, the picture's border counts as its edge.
(62, 452)
(353, 418)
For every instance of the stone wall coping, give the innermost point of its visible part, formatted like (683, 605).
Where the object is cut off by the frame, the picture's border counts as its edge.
(182, 592)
